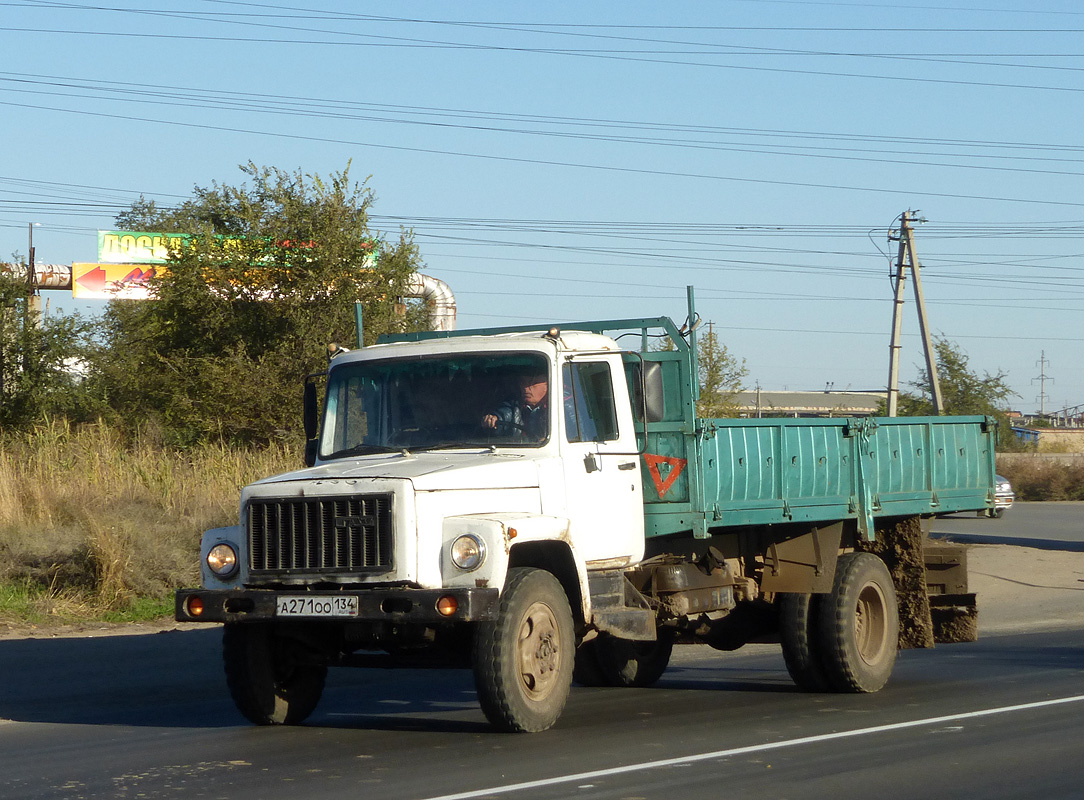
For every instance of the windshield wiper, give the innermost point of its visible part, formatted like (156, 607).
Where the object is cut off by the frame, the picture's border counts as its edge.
(365, 450)
(457, 444)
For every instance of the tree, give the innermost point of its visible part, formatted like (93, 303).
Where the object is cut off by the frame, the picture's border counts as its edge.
(721, 376)
(963, 391)
(267, 277)
(41, 359)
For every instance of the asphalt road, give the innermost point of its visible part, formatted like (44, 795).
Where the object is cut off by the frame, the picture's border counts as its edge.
(149, 717)
(1047, 526)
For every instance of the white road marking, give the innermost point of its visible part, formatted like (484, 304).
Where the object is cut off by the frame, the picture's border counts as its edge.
(756, 748)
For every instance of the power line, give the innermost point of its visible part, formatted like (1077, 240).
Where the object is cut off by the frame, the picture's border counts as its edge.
(374, 40)
(547, 162)
(310, 104)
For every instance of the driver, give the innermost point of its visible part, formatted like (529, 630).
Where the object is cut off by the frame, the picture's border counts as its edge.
(527, 415)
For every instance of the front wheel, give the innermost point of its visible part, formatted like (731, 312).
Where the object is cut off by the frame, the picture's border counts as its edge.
(523, 660)
(859, 625)
(268, 677)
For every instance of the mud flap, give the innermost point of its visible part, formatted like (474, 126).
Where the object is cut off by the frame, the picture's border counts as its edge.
(953, 609)
(955, 618)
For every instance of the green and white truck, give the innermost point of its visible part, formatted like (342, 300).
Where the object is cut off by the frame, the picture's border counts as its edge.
(420, 533)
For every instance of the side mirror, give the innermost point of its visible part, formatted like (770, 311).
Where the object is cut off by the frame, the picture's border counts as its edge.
(312, 447)
(311, 411)
(653, 403)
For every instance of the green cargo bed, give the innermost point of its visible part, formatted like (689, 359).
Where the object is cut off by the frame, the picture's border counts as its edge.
(745, 472)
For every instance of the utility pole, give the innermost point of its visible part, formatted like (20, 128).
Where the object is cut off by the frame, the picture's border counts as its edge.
(33, 301)
(907, 259)
(1042, 379)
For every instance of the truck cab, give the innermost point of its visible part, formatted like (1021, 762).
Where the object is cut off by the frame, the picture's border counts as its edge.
(430, 477)
(404, 439)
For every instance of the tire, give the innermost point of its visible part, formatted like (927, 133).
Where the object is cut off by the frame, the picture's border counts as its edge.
(268, 683)
(999, 513)
(859, 625)
(587, 671)
(628, 663)
(523, 660)
(799, 636)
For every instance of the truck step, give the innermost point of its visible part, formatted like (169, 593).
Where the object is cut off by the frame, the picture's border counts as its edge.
(618, 608)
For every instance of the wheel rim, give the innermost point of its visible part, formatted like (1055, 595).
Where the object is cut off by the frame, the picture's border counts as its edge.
(539, 647)
(870, 623)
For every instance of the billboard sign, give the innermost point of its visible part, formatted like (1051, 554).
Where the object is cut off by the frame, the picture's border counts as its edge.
(132, 247)
(127, 260)
(144, 247)
(113, 281)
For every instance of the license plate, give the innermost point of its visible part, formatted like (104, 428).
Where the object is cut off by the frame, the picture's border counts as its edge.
(316, 606)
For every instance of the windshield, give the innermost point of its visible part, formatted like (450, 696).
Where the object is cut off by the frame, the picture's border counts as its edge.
(436, 402)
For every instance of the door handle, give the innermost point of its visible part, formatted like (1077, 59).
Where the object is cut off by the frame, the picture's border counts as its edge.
(627, 465)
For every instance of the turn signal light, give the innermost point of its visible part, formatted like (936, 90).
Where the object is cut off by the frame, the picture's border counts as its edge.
(447, 605)
(194, 606)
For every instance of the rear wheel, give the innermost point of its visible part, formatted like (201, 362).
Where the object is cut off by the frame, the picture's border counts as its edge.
(588, 671)
(859, 625)
(628, 663)
(800, 639)
(267, 674)
(523, 660)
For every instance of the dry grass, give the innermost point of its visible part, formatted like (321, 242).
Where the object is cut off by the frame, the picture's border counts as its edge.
(89, 523)
(1044, 479)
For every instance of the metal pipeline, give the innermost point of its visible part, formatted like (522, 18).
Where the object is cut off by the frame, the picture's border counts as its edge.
(438, 296)
(46, 276)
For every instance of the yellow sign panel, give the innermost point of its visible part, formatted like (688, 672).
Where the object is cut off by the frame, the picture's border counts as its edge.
(113, 281)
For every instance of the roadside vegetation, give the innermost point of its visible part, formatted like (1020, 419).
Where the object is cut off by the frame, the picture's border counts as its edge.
(96, 526)
(1044, 480)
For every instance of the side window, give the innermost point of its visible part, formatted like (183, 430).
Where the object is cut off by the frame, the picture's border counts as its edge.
(590, 413)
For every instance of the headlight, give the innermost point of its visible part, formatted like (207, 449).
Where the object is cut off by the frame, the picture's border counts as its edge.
(222, 559)
(468, 552)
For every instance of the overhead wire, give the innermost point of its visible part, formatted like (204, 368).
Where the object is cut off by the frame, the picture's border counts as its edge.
(377, 40)
(548, 162)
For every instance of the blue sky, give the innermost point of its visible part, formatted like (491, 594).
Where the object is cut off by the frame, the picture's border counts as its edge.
(565, 161)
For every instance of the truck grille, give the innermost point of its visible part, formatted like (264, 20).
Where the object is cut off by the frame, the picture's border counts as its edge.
(320, 535)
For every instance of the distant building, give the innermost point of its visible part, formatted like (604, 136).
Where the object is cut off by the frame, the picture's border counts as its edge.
(809, 404)
(1052, 440)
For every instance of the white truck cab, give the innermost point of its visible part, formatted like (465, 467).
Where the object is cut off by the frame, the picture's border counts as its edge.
(415, 507)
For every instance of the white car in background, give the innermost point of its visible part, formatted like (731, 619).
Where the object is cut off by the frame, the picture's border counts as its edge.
(1003, 495)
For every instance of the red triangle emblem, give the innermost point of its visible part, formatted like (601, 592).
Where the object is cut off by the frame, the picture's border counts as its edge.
(663, 485)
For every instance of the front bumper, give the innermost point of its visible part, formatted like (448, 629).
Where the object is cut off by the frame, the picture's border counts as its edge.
(403, 606)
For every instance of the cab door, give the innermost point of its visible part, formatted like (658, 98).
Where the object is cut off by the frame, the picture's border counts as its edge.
(603, 493)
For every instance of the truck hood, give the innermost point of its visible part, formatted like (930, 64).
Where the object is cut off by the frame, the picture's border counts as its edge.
(428, 471)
